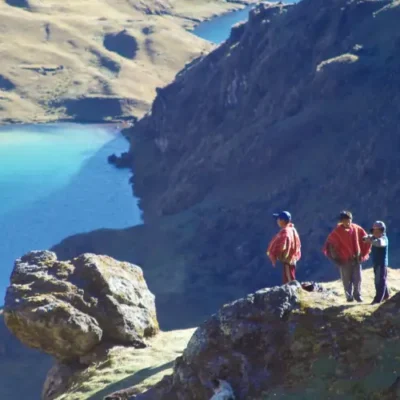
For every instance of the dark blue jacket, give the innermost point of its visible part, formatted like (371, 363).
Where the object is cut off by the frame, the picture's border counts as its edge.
(380, 251)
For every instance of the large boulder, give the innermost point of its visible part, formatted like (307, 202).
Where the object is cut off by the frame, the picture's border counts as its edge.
(242, 343)
(68, 308)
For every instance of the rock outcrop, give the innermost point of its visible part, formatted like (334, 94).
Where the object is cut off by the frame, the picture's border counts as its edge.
(278, 343)
(67, 309)
(242, 343)
(285, 342)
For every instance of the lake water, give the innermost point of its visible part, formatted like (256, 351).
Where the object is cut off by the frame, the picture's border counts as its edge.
(55, 182)
(218, 29)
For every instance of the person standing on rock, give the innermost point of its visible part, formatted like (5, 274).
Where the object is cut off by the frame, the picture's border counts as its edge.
(380, 259)
(285, 246)
(347, 249)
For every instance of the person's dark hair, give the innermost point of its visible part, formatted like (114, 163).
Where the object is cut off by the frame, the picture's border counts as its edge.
(215, 383)
(345, 215)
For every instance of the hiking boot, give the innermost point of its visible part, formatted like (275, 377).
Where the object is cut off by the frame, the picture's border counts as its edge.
(350, 299)
(359, 299)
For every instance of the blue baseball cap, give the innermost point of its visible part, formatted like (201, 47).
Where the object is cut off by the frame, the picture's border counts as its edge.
(285, 215)
(379, 225)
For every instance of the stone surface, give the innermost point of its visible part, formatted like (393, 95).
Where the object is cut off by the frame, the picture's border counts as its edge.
(279, 343)
(58, 380)
(286, 343)
(240, 343)
(68, 308)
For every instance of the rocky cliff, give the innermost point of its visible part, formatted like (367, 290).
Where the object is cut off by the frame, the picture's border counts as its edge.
(277, 343)
(94, 60)
(288, 343)
(297, 110)
(300, 102)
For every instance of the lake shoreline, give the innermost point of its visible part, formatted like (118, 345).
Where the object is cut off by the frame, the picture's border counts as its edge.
(240, 6)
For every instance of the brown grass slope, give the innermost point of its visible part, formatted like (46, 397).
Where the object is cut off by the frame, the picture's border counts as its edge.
(56, 61)
(127, 367)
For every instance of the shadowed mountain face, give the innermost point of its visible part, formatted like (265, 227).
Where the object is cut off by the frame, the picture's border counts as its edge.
(298, 110)
(300, 102)
(22, 370)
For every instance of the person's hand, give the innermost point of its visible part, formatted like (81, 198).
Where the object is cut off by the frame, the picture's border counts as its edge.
(367, 239)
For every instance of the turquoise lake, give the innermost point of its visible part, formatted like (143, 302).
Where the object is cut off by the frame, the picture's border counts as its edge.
(55, 180)
(218, 29)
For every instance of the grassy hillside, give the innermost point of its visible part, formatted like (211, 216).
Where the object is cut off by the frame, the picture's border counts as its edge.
(125, 367)
(93, 60)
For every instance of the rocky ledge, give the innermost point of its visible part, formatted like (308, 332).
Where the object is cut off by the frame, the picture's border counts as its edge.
(287, 343)
(277, 343)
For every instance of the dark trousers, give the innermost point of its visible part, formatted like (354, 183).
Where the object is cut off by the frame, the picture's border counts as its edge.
(289, 273)
(351, 278)
(382, 291)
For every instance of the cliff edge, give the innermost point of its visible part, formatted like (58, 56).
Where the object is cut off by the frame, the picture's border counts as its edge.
(287, 343)
(283, 342)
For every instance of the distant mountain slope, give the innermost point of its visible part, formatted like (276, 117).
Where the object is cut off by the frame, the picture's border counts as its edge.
(95, 59)
(297, 110)
(22, 370)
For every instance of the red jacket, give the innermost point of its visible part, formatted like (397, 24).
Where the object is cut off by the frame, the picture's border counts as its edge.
(285, 246)
(344, 245)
